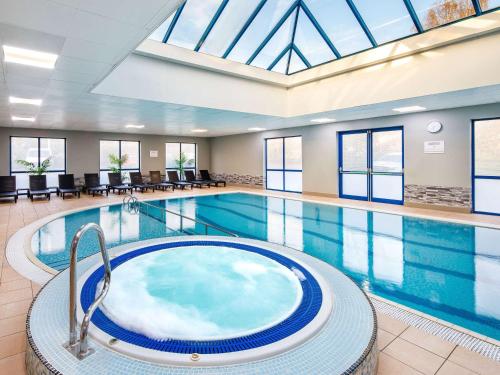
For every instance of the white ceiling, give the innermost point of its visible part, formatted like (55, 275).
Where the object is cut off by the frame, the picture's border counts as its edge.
(91, 37)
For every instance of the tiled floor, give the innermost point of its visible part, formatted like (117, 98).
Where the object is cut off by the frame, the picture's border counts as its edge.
(404, 349)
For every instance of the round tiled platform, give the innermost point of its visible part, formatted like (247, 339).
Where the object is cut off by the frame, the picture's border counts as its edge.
(345, 344)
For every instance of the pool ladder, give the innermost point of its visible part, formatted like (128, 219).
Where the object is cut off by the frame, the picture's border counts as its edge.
(79, 346)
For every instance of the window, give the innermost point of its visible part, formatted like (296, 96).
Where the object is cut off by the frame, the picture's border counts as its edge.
(132, 149)
(174, 152)
(36, 150)
(284, 164)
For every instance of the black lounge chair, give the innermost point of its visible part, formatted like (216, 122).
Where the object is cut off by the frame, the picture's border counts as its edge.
(173, 178)
(67, 186)
(205, 176)
(138, 184)
(115, 183)
(93, 184)
(190, 177)
(8, 187)
(38, 187)
(155, 180)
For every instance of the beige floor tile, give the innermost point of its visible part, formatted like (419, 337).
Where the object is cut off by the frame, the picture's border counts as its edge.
(8, 274)
(9, 326)
(14, 285)
(13, 344)
(414, 356)
(474, 362)
(13, 365)
(388, 365)
(390, 325)
(384, 338)
(450, 368)
(429, 342)
(15, 308)
(15, 295)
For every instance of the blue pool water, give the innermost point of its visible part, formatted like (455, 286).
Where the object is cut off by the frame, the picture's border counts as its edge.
(450, 271)
(201, 293)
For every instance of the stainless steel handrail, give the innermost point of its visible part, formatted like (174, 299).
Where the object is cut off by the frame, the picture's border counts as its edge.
(80, 348)
(132, 200)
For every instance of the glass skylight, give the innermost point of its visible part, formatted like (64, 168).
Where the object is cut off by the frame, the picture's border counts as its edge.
(287, 36)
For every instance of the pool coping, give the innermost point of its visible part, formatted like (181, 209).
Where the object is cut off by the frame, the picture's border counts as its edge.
(35, 360)
(30, 267)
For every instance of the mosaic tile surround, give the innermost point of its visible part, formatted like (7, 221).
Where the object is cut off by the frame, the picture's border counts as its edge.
(339, 348)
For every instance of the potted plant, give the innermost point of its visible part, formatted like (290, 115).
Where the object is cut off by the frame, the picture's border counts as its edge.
(181, 162)
(117, 163)
(38, 179)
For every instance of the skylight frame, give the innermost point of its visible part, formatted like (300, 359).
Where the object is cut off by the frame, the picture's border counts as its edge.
(300, 5)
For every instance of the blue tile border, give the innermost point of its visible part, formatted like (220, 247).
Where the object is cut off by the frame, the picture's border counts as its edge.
(303, 315)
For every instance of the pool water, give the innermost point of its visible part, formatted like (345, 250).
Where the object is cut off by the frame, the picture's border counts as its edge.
(201, 293)
(450, 271)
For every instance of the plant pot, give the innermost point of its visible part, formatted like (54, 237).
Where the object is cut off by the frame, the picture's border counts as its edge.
(38, 182)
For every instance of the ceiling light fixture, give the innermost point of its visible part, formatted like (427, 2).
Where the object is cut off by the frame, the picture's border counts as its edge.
(132, 126)
(412, 108)
(323, 120)
(29, 57)
(20, 118)
(199, 130)
(16, 100)
(256, 129)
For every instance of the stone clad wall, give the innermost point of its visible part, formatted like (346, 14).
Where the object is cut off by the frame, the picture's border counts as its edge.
(458, 197)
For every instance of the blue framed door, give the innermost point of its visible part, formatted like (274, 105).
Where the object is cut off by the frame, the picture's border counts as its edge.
(486, 166)
(371, 165)
(283, 157)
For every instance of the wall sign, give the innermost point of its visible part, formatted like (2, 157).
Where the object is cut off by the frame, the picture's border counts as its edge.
(153, 153)
(434, 147)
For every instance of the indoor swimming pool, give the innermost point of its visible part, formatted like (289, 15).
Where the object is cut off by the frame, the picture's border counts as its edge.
(450, 271)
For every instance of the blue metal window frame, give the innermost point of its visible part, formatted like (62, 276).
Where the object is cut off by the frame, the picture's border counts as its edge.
(475, 177)
(369, 164)
(300, 4)
(283, 170)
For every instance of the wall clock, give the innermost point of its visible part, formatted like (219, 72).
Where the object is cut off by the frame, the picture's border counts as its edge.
(434, 127)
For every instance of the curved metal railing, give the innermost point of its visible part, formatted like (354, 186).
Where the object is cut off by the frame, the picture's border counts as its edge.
(133, 205)
(79, 348)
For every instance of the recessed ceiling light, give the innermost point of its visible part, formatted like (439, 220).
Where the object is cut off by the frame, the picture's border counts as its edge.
(412, 108)
(20, 118)
(256, 129)
(132, 126)
(199, 130)
(322, 120)
(15, 100)
(29, 57)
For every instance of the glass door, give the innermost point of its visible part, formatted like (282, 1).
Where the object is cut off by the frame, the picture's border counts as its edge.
(486, 166)
(371, 165)
(353, 165)
(387, 165)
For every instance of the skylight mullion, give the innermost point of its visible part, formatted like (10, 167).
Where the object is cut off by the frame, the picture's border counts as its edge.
(278, 58)
(361, 22)
(477, 7)
(211, 25)
(320, 30)
(301, 55)
(413, 15)
(294, 30)
(174, 21)
(273, 31)
(244, 28)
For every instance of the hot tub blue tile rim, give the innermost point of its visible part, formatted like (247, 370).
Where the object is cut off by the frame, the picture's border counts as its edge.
(307, 310)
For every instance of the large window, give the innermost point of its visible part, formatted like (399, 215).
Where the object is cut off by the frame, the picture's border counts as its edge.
(36, 150)
(176, 152)
(132, 150)
(284, 164)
